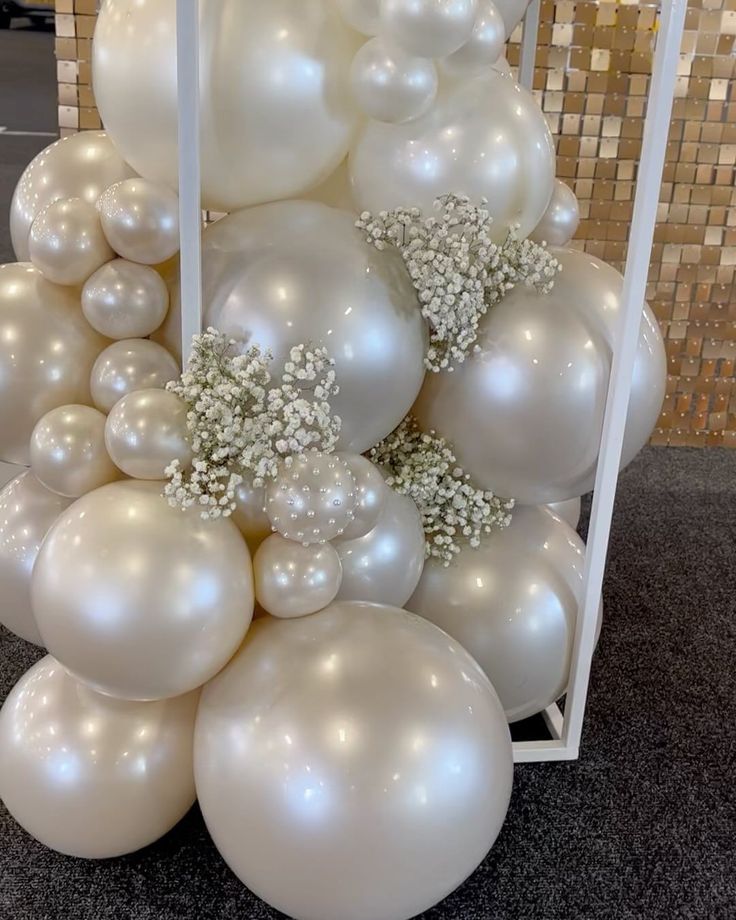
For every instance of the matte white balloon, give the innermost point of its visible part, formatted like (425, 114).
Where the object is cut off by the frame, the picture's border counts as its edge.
(390, 85)
(141, 220)
(512, 12)
(568, 510)
(485, 138)
(276, 114)
(484, 47)
(78, 166)
(293, 580)
(129, 365)
(89, 775)
(371, 495)
(361, 15)
(428, 28)
(66, 242)
(124, 300)
(560, 221)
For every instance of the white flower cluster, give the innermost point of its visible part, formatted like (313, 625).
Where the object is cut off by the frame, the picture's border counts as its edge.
(423, 467)
(242, 422)
(457, 269)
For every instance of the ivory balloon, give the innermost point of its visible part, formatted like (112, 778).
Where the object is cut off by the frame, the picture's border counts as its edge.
(79, 166)
(485, 138)
(46, 354)
(139, 599)
(512, 12)
(66, 242)
(89, 775)
(483, 48)
(361, 15)
(127, 366)
(300, 272)
(27, 510)
(512, 603)
(560, 221)
(68, 454)
(145, 431)
(250, 515)
(390, 85)
(354, 763)
(384, 566)
(371, 494)
(568, 510)
(276, 116)
(141, 220)
(428, 28)
(294, 580)
(335, 190)
(124, 300)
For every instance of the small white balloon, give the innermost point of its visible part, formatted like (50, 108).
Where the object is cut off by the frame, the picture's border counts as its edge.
(362, 15)
(128, 365)
(560, 221)
(125, 300)
(141, 220)
(483, 48)
(66, 242)
(428, 28)
(294, 580)
(371, 493)
(390, 85)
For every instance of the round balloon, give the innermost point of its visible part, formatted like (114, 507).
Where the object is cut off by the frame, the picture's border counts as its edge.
(512, 12)
(371, 495)
(89, 775)
(560, 221)
(485, 138)
(298, 271)
(512, 603)
(568, 510)
(276, 114)
(66, 242)
(141, 220)
(27, 511)
(354, 763)
(385, 565)
(390, 85)
(47, 350)
(68, 453)
(79, 166)
(428, 28)
(294, 580)
(483, 48)
(127, 366)
(124, 300)
(139, 599)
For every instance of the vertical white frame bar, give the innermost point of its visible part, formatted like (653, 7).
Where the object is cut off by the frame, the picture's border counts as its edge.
(528, 51)
(190, 211)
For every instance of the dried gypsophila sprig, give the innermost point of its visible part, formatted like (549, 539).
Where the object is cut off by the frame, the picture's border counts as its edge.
(457, 269)
(453, 510)
(242, 422)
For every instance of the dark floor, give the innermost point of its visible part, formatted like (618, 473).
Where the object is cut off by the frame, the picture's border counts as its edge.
(642, 827)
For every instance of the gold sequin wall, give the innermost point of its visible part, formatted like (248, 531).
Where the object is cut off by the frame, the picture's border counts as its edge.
(593, 67)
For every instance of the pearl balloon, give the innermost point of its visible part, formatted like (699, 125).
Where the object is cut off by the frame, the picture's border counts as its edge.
(123, 300)
(354, 763)
(335, 190)
(512, 12)
(141, 220)
(560, 221)
(138, 599)
(294, 580)
(361, 15)
(428, 28)
(129, 365)
(46, 354)
(276, 117)
(298, 271)
(512, 603)
(27, 511)
(312, 498)
(568, 510)
(371, 495)
(386, 564)
(483, 48)
(390, 85)
(68, 454)
(79, 166)
(66, 242)
(92, 776)
(145, 431)
(250, 515)
(484, 138)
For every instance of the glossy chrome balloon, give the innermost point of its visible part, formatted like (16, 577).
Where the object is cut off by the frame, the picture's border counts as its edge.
(276, 114)
(512, 12)
(484, 47)
(371, 494)
(354, 763)
(428, 28)
(46, 354)
(68, 454)
(89, 775)
(250, 515)
(485, 138)
(27, 511)
(361, 15)
(141, 220)
(385, 565)
(512, 603)
(560, 221)
(294, 580)
(568, 510)
(390, 85)
(66, 243)
(79, 166)
(124, 300)
(298, 271)
(127, 366)
(139, 599)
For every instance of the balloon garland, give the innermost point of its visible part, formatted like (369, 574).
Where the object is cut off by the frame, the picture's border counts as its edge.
(396, 374)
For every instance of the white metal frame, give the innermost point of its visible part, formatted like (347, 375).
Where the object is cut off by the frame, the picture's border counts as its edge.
(566, 730)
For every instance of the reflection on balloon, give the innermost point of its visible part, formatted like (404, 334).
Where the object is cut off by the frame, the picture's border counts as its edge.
(483, 48)
(141, 220)
(250, 515)
(428, 28)
(560, 221)
(568, 510)
(390, 85)
(294, 580)
(138, 599)
(66, 242)
(512, 604)
(124, 300)
(360, 730)
(129, 365)
(91, 776)
(361, 15)
(27, 511)
(371, 495)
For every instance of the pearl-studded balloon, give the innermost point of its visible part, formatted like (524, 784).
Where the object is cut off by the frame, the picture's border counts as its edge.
(391, 85)
(560, 221)
(362, 15)
(125, 300)
(428, 28)
(483, 48)
(66, 242)
(141, 220)
(372, 495)
(312, 499)
(128, 365)
(294, 580)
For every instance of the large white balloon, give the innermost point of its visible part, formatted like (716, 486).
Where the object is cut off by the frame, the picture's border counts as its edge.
(483, 48)
(428, 28)
(484, 138)
(512, 12)
(276, 113)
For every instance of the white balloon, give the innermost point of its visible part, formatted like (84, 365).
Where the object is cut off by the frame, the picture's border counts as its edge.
(560, 221)
(128, 365)
(390, 85)
(428, 28)
(66, 243)
(362, 15)
(568, 510)
(141, 220)
(512, 12)
(483, 48)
